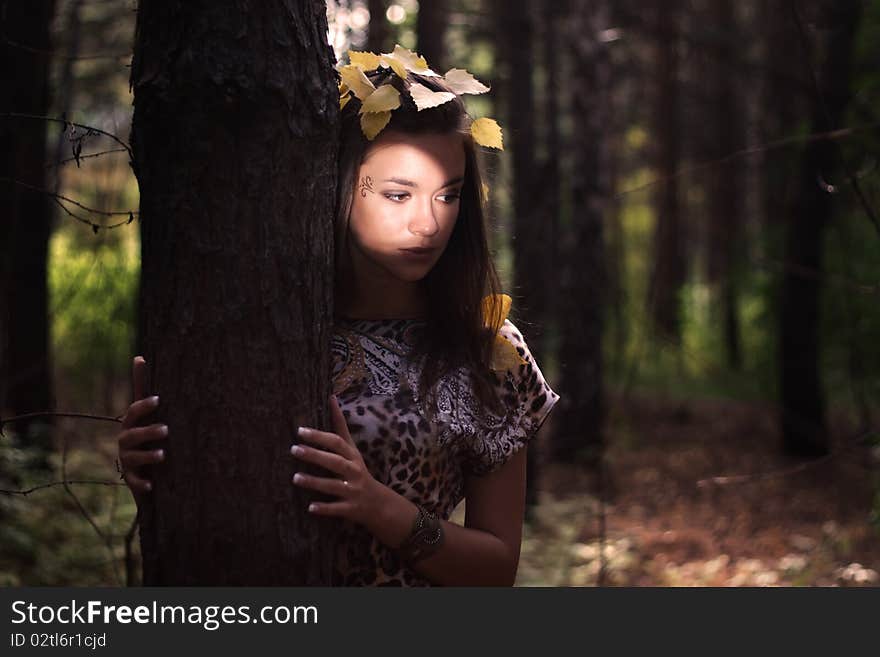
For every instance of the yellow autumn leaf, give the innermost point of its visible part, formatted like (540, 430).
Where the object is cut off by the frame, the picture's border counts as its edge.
(486, 132)
(402, 59)
(354, 79)
(344, 94)
(504, 355)
(396, 65)
(364, 59)
(462, 82)
(495, 308)
(384, 98)
(425, 98)
(373, 122)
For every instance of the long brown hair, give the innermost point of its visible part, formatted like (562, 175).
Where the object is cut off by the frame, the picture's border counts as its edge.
(454, 334)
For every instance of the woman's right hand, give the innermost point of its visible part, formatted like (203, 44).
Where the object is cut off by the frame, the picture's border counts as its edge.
(131, 441)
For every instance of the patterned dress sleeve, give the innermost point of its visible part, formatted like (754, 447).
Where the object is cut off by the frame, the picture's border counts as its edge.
(527, 400)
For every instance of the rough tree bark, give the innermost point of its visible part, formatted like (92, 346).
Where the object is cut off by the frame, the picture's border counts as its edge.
(235, 138)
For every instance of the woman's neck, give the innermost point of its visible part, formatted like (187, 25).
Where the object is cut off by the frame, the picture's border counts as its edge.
(380, 302)
(375, 294)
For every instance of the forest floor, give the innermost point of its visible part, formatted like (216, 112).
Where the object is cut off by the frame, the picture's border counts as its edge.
(794, 525)
(772, 523)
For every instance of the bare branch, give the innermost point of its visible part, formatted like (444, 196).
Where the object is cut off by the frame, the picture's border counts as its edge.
(28, 491)
(90, 130)
(28, 416)
(85, 157)
(775, 144)
(858, 441)
(108, 543)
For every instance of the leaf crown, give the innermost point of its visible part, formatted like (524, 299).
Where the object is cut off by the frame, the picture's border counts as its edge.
(377, 102)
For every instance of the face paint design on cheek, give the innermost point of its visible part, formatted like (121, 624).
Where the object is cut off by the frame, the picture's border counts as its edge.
(366, 186)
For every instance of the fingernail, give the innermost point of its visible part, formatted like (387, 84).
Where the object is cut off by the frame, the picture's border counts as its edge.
(296, 449)
(303, 431)
(148, 486)
(297, 478)
(160, 453)
(313, 507)
(163, 429)
(154, 399)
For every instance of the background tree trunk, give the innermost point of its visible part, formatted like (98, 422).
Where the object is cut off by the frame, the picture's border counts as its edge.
(377, 30)
(25, 380)
(782, 99)
(235, 146)
(431, 33)
(531, 243)
(804, 426)
(668, 264)
(726, 188)
(582, 304)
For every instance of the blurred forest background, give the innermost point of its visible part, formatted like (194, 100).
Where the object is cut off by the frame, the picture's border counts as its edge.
(686, 217)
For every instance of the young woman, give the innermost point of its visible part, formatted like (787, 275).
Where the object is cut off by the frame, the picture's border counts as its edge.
(435, 390)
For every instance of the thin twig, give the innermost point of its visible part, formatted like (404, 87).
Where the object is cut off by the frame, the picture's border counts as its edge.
(754, 150)
(28, 416)
(817, 91)
(108, 543)
(95, 227)
(28, 491)
(785, 472)
(106, 213)
(84, 157)
(87, 128)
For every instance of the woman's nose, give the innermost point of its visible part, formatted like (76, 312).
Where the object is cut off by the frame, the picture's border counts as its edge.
(424, 223)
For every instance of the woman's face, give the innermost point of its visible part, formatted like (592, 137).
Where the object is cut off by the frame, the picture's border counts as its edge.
(407, 196)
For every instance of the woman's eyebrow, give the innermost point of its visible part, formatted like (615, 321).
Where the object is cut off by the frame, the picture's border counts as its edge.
(410, 183)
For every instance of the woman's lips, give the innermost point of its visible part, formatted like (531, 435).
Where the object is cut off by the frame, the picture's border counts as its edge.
(420, 254)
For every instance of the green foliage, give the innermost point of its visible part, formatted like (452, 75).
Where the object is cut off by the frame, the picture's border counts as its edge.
(44, 538)
(92, 294)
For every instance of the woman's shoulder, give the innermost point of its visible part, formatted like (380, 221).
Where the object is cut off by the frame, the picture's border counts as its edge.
(528, 399)
(511, 332)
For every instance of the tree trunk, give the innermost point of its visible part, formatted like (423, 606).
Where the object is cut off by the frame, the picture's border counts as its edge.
(579, 428)
(531, 246)
(727, 189)
(235, 139)
(669, 269)
(804, 426)
(377, 30)
(430, 33)
(782, 98)
(25, 380)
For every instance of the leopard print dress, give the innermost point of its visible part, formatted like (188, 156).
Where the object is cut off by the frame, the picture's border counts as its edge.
(376, 383)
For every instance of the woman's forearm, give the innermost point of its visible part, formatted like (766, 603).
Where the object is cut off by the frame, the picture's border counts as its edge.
(467, 557)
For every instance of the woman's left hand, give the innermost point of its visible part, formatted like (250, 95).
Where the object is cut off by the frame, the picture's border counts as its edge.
(359, 492)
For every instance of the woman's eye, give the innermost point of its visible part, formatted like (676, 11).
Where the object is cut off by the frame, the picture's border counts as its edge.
(396, 197)
(450, 198)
